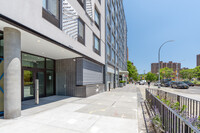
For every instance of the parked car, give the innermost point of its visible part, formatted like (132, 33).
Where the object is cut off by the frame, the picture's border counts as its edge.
(166, 84)
(188, 83)
(142, 82)
(179, 85)
(156, 83)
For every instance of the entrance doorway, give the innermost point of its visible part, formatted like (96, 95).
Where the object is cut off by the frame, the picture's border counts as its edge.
(37, 67)
(29, 77)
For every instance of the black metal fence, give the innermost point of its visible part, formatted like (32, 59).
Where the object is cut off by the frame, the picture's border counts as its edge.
(193, 106)
(172, 122)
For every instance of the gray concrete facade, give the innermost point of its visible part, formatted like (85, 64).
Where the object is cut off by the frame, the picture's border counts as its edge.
(70, 72)
(12, 73)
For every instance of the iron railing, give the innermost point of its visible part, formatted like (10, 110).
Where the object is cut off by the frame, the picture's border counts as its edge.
(172, 122)
(193, 106)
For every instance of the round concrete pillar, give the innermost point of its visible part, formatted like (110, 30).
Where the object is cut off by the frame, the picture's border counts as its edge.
(12, 73)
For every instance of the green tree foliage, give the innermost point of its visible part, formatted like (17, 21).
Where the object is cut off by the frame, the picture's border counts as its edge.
(187, 74)
(166, 72)
(151, 76)
(197, 72)
(133, 74)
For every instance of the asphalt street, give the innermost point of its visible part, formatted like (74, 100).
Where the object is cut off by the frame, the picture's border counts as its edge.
(192, 92)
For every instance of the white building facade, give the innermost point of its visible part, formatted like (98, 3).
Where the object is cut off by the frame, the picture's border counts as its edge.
(59, 42)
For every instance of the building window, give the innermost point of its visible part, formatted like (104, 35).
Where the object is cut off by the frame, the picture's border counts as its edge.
(108, 33)
(116, 46)
(82, 3)
(108, 52)
(112, 40)
(33, 61)
(113, 25)
(51, 11)
(108, 15)
(81, 31)
(113, 56)
(52, 6)
(97, 18)
(96, 45)
(116, 59)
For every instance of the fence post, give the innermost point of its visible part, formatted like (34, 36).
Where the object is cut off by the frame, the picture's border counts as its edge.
(157, 92)
(178, 98)
(165, 95)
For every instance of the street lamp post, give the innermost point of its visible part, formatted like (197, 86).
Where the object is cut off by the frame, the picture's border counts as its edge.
(159, 60)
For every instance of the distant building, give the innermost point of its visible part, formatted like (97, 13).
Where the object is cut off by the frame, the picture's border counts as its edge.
(175, 66)
(184, 68)
(198, 60)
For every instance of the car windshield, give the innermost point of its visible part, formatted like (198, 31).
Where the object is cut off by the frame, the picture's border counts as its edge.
(180, 83)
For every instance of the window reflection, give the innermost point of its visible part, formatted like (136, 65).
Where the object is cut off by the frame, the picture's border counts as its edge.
(32, 61)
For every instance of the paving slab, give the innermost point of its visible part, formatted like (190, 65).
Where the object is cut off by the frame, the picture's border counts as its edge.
(114, 125)
(108, 112)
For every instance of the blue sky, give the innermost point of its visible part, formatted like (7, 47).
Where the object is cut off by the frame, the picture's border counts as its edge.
(152, 22)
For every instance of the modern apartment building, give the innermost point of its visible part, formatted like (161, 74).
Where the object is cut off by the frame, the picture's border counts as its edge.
(175, 66)
(198, 60)
(59, 42)
(116, 43)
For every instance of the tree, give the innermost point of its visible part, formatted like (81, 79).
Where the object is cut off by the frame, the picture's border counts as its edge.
(187, 74)
(197, 72)
(166, 72)
(133, 74)
(151, 76)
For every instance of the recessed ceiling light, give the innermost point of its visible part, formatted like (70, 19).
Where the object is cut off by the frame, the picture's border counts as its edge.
(38, 41)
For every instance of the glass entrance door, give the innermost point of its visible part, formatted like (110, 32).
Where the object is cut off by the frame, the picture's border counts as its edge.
(40, 77)
(29, 77)
(29, 86)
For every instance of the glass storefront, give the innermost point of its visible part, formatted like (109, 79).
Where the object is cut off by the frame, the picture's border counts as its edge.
(35, 67)
(33, 61)
(49, 82)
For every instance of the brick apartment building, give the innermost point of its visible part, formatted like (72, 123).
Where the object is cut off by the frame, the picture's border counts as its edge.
(198, 60)
(170, 64)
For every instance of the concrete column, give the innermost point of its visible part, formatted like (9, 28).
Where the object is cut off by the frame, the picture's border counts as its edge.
(12, 73)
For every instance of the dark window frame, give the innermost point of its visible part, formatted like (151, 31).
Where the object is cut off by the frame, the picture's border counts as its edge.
(46, 14)
(108, 49)
(2, 39)
(94, 49)
(39, 70)
(80, 39)
(98, 12)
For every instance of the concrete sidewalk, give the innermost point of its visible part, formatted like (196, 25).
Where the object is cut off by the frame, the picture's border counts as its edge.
(108, 112)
